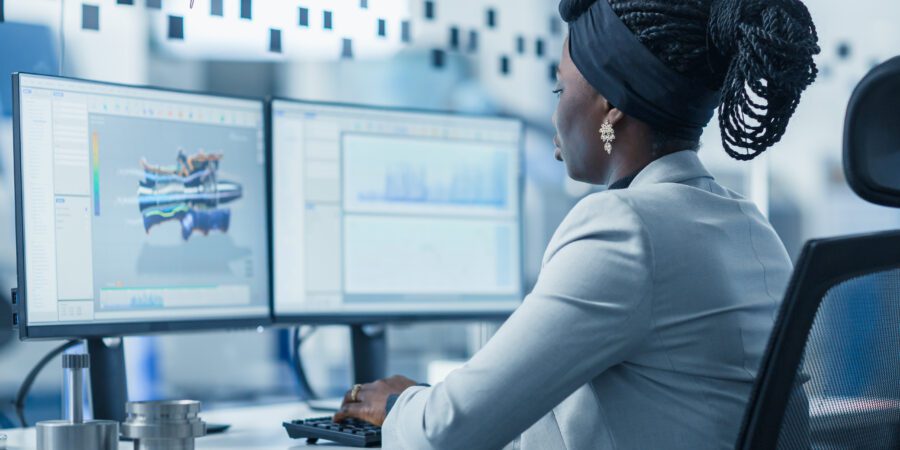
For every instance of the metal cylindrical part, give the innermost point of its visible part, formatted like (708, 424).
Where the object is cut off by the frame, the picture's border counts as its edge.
(63, 435)
(75, 363)
(163, 425)
(76, 402)
(75, 433)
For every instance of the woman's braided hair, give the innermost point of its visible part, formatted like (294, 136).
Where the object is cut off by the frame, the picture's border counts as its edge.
(758, 52)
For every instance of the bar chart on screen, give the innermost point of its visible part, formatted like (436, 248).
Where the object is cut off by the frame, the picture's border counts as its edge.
(427, 216)
(417, 176)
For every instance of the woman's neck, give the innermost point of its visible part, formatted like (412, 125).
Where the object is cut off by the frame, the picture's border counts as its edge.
(636, 149)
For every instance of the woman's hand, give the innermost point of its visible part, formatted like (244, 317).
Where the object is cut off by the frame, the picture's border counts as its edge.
(371, 400)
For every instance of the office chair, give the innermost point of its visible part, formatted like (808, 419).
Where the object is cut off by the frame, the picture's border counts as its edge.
(830, 378)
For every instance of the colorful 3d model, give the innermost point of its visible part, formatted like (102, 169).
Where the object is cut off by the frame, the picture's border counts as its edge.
(189, 192)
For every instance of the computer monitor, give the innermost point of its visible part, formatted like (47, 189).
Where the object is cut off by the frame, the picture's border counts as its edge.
(138, 210)
(383, 214)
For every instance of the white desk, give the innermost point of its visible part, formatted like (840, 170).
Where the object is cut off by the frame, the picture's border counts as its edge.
(257, 428)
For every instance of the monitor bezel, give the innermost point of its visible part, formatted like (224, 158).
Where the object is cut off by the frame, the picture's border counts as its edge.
(116, 329)
(360, 318)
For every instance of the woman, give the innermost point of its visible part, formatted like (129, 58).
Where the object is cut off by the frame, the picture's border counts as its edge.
(656, 298)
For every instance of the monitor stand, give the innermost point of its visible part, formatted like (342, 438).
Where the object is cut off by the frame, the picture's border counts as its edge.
(109, 388)
(369, 345)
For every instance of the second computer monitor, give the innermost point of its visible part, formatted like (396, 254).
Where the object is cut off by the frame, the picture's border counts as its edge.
(386, 213)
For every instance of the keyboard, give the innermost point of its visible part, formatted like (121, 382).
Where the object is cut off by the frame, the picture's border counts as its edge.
(354, 433)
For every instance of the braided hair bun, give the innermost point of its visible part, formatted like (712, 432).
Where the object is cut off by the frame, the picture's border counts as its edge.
(768, 48)
(759, 53)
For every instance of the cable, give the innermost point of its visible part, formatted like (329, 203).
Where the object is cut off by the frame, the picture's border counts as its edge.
(296, 342)
(19, 403)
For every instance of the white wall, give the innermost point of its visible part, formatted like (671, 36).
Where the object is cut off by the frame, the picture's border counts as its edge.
(118, 52)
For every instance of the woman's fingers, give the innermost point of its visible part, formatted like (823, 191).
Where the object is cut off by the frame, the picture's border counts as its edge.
(368, 401)
(350, 411)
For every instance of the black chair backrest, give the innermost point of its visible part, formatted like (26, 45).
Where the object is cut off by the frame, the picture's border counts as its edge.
(830, 378)
(831, 375)
(872, 136)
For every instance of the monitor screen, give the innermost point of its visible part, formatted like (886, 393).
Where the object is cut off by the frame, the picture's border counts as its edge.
(138, 206)
(394, 213)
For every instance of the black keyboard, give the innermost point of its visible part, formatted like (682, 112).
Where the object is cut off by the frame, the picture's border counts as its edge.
(354, 433)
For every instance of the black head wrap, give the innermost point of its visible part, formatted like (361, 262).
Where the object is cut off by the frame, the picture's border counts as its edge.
(623, 70)
(751, 59)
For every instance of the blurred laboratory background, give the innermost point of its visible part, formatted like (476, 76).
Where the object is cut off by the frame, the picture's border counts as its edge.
(471, 56)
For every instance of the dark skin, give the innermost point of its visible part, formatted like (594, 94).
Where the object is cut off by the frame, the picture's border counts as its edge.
(579, 114)
(372, 400)
(578, 117)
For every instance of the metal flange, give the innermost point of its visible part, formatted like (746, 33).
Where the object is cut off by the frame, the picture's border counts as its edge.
(163, 425)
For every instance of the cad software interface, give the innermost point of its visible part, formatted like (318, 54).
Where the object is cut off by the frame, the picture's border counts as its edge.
(388, 212)
(141, 205)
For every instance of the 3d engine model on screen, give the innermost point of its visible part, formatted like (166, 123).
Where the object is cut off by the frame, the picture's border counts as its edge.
(189, 192)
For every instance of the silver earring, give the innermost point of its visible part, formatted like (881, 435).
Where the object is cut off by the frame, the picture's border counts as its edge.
(608, 136)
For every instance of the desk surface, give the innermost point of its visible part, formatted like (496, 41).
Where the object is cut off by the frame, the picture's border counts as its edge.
(257, 427)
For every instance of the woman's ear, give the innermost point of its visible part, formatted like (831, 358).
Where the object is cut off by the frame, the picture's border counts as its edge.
(607, 111)
(614, 115)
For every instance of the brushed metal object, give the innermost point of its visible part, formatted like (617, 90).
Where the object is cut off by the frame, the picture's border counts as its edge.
(75, 364)
(75, 433)
(90, 435)
(163, 425)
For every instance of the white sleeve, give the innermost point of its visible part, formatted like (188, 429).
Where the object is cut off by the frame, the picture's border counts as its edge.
(589, 311)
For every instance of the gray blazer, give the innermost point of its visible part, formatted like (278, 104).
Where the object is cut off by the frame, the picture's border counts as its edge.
(644, 331)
